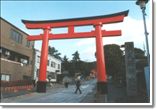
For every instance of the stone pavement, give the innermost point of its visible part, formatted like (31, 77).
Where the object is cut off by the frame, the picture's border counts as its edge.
(60, 94)
(57, 95)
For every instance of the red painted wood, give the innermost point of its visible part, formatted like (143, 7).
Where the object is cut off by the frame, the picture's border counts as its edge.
(101, 68)
(44, 55)
(75, 35)
(71, 29)
(113, 19)
(70, 24)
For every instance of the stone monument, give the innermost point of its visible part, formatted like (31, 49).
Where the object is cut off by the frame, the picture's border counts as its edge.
(131, 79)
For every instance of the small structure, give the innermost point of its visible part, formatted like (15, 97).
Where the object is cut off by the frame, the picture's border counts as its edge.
(53, 67)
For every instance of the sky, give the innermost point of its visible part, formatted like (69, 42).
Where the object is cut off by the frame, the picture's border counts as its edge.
(132, 26)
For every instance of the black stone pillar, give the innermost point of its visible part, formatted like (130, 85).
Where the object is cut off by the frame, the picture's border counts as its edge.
(41, 86)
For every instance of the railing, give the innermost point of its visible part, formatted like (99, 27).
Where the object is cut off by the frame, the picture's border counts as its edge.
(15, 86)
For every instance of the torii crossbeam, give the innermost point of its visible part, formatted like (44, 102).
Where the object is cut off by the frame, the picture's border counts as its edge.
(96, 21)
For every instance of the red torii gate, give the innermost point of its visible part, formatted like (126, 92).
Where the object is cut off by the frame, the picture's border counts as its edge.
(96, 21)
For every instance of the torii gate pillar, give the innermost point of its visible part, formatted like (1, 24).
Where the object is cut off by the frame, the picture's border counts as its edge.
(41, 84)
(101, 68)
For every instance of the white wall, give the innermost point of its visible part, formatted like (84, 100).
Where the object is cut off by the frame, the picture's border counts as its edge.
(52, 67)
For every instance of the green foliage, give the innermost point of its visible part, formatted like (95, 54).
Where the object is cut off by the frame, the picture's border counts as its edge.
(76, 57)
(138, 53)
(86, 67)
(113, 59)
(65, 59)
(142, 59)
(65, 63)
(76, 65)
(54, 52)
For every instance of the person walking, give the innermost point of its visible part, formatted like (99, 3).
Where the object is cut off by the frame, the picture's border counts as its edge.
(66, 81)
(78, 84)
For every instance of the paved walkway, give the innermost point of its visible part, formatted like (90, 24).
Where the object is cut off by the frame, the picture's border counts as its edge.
(57, 95)
(60, 94)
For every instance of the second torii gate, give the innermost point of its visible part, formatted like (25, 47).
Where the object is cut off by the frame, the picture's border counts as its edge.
(98, 33)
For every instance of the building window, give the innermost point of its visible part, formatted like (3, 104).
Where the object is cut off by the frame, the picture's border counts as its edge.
(5, 77)
(59, 66)
(24, 61)
(16, 36)
(7, 54)
(48, 62)
(0, 50)
(28, 43)
(53, 64)
(37, 72)
(38, 59)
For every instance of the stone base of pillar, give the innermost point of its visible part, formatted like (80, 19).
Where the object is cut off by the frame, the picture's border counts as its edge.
(101, 98)
(102, 87)
(41, 86)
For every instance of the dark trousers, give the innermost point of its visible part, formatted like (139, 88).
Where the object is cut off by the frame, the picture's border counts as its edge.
(78, 89)
(66, 85)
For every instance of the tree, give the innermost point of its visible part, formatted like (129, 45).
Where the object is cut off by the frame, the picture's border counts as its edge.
(76, 57)
(114, 61)
(139, 53)
(115, 64)
(54, 52)
(65, 59)
(86, 67)
(65, 64)
(74, 66)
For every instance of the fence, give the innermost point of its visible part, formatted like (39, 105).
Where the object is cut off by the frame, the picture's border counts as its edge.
(15, 86)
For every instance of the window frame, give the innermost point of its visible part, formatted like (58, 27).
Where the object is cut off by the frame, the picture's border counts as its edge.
(28, 43)
(16, 36)
(2, 74)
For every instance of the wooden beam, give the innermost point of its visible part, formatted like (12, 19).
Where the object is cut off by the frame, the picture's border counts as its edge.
(75, 35)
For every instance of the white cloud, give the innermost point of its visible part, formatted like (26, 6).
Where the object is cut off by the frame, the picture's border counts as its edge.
(132, 31)
(87, 41)
(88, 53)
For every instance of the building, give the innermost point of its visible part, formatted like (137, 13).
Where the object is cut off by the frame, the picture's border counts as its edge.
(53, 67)
(16, 53)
